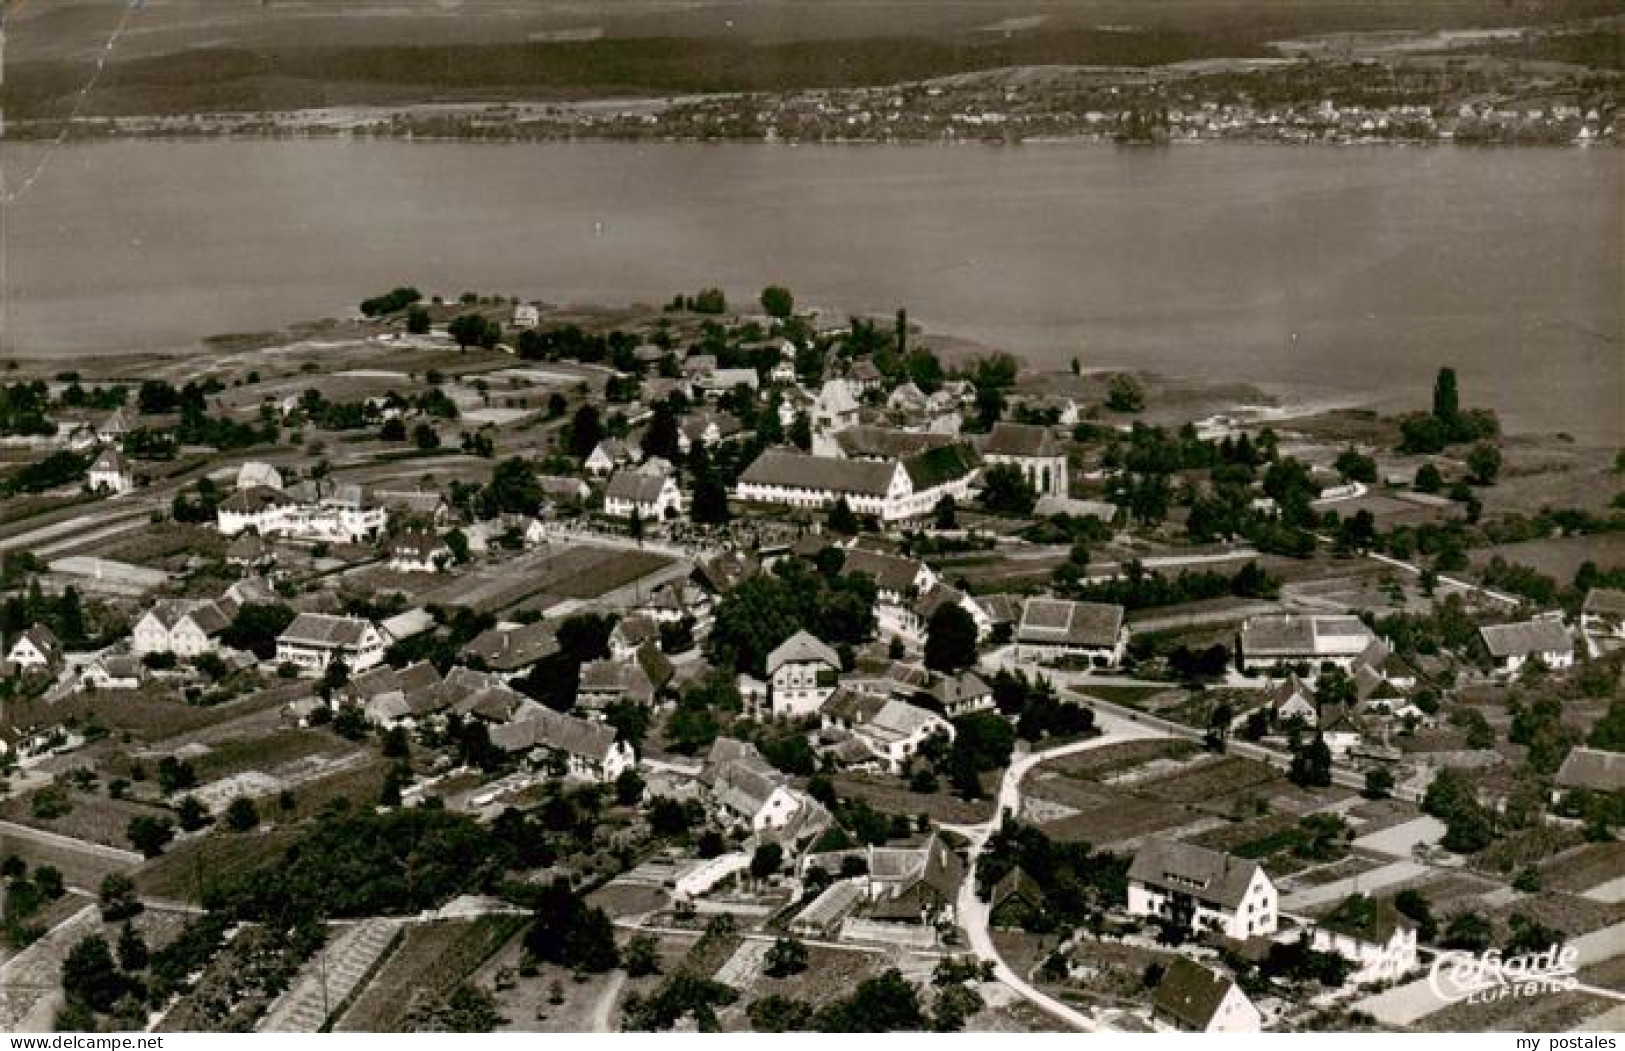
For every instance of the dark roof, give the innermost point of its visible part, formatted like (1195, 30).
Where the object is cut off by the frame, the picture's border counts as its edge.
(885, 443)
(1046, 621)
(545, 728)
(1206, 875)
(1190, 994)
(795, 470)
(1020, 439)
(254, 500)
(940, 466)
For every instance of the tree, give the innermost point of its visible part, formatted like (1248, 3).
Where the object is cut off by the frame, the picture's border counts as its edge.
(1355, 466)
(132, 949)
(417, 321)
(887, 1003)
(48, 881)
(642, 957)
(767, 860)
(255, 627)
(950, 639)
(90, 977)
(118, 897)
(1311, 765)
(192, 814)
(1468, 932)
(242, 815)
(778, 302)
(1484, 463)
(567, 932)
(1125, 394)
(1006, 490)
(787, 956)
(710, 504)
(149, 834)
(779, 1014)
(841, 519)
(1446, 398)
(472, 329)
(1414, 905)
(425, 437)
(946, 513)
(586, 431)
(1428, 479)
(1379, 783)
(629, 787)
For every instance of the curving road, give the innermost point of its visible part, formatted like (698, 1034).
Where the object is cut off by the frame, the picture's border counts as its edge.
(973, 913)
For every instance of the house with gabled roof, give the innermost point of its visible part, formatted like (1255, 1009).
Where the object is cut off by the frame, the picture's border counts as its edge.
(35, 651)
(1053, 629)
(652, 498)
(419, 551)
(914, 884)
(963, 693)
(183, 627)
(1371, 934)
(511, 650)
(110, 473)
(583, 749)
(256, 473)
(1033, 451)
(1293, 701)
(746, 791)
(1197, 999)
(891, 490)
(802, 673)
(1603, 613)
(607, 682)
(315, 640)
(1592, 769)
(113, 671)
(1200, 890)
(1279, 640)
(894, 732)
(610, 454)
(1544, 638)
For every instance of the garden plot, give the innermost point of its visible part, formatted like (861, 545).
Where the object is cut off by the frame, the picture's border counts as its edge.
(1569, 913)
(1399, 841)
(30, 981)
(745, 965)
(1582, 869)
(329, 977)
(1099, 764)
(430, 961)
(1209, 780)
(93, 817)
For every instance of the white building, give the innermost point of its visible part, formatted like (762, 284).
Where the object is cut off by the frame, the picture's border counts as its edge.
(1544, 639)
(338, 515)
(35, 650)
(1032, 450)
(802, 673)
(1287, 639)
(110, 474)
(112, 671)
(588, 750)
(1381, 948)
(419, 551)
(1198, 890)
(1194, 999)
(315, 640)
(1054, 629)
(1604, 613)
(895, 733)
(256, 473)
(654, 498)
(891, 490)
(183, 627)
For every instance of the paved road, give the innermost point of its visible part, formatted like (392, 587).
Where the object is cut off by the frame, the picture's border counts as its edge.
(973, 913)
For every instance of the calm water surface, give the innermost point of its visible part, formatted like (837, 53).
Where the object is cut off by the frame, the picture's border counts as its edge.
(1350, 271)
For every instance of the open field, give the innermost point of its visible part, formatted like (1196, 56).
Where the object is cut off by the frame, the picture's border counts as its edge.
(430, 961)
(197, 864)
(890, 796)
(95, 818)
(1558, 558)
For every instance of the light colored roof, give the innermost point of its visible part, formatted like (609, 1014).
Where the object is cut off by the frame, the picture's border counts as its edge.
(895, 719)
(1541, 635)
(1046, 621)
(1207, 875)
(324, 632)
(802, 647)
(1286, 635)
(507, 647)
(890, 572)
(1605, 602)
(1020, 439)
(1593, 768)
(110, 460)
(886, 443)
(256, 473)
(635, 487)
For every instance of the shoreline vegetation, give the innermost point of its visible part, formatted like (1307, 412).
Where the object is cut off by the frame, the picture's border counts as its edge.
(1316, 77)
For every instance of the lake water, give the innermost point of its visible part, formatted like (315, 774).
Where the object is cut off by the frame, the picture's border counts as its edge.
(1344, 271)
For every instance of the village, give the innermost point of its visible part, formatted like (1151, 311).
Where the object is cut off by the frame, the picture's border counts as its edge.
(477, 664)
